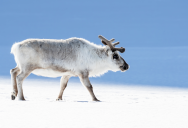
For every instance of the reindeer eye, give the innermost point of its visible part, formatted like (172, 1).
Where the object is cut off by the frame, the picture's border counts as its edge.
(115, 56)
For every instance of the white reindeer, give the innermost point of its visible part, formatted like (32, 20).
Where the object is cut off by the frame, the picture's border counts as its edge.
(71, 57)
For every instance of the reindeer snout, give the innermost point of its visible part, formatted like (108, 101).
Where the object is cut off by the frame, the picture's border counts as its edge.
(125, 66)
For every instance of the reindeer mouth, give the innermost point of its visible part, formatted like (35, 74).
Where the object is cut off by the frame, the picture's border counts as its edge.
(122, 69)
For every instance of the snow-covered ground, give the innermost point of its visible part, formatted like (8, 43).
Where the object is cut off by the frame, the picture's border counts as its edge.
(121, 106)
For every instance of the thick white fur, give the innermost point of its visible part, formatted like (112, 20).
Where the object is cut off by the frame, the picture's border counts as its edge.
(76, 55)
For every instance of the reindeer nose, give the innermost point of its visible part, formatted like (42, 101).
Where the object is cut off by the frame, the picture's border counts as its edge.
(126, 66)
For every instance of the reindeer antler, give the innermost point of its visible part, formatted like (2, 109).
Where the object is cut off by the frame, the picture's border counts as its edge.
(111, 45)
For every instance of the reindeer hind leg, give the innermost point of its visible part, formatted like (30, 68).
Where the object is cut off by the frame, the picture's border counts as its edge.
(14, 72)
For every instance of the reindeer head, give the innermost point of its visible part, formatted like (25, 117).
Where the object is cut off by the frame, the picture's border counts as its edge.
(118, 63)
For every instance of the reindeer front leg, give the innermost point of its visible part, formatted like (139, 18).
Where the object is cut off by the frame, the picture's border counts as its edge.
(84, 78)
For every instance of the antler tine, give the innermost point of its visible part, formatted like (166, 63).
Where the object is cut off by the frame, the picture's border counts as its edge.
(112, 40)
(103, 38)
(116, 43)
(122, 50)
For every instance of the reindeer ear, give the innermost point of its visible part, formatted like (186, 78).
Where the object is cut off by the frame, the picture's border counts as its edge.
(108, 51)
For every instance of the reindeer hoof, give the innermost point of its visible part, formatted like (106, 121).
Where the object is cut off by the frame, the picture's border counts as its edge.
(21, 99)
(58, 99)
(96, 100)
(13, 97)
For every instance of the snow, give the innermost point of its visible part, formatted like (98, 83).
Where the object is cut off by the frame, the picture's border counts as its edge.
(132, 106)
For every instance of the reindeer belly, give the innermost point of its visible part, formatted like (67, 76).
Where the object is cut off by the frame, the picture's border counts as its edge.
(50, 73)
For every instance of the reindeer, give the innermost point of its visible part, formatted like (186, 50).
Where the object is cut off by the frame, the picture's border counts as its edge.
(66, 58)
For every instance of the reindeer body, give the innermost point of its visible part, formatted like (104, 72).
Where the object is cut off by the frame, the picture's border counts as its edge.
(54, 58)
